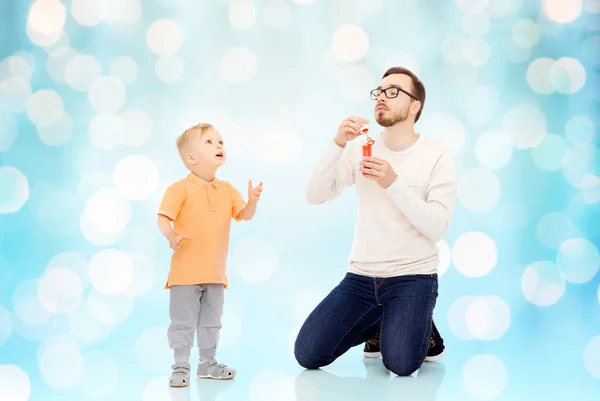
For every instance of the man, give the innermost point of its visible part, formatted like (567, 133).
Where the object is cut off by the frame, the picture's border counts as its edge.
(406, 193)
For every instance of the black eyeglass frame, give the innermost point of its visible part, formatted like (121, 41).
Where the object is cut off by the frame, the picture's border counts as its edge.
(377, 91)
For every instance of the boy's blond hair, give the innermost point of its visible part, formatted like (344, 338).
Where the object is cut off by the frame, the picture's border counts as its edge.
(189, 135)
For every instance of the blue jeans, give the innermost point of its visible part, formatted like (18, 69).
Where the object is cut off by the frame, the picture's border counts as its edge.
(350, 314)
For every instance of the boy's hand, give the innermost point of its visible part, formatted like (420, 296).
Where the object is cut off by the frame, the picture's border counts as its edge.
(175, 240)
(254, 193)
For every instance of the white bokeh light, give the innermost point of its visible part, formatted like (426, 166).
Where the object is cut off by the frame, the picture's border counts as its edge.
(136, 177)
(457, 317)
(555, 228)
(62, 366)
(526, 124)
(278, 15)
(580, 166)
(60, 290)
(107, 94)
(137, 127)
(14, 94)
(567, 75)
(82, 71)
(14, 383)
(370, 6)
(578, 260)
(591, 357)
(85, 327)
(350, 43)
(96, 236)
(474, 254)
(481, 104)
(476, 24)
(15, 190)
(111, 271)
(91, 182)
(278, 146)
(45, 41)
(144, 274)
(476, 51)
(27, 306)
(8, 127)
(515, 53)
(526, 33)
(549, 154)
(56, 134)
(108, 211)
(484, 377)
(255, 260)
(446, 129)
(47, 17)
(74, 262)
(45, 108)
(591, 6)
(125, 69)
(538, 76)
(242, 14)
(231, 332)
(169, 69)
(406, 60)
(488, 318)
(57, 64)
(562, 11)
(580, 129)
(472, 6)
(239, 65)
(109, 309)
(542, 283)
(140, 239)
(151, 351)
(445, 257)
(453, 49)
(58, 212)
(101, 374)
(89, 12)
(479, 190)
(164, 37)
(108, 131)
(356, 82)
(6, 327)
(17, 66)
(493, 149)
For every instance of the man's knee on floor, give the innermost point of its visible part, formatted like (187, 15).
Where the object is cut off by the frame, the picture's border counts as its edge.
(402, 366)
(306, 356)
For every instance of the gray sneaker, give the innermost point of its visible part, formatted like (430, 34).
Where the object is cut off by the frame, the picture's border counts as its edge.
(180, 377)
(214, 370)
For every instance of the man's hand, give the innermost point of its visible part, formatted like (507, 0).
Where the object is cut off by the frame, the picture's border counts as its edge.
(254, 193)
(348, 130)
(175, 240)
(378, 170)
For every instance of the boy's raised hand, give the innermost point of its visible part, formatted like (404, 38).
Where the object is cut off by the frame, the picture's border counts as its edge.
(254, 193)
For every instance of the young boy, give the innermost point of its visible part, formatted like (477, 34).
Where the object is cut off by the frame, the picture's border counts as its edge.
(201, 208)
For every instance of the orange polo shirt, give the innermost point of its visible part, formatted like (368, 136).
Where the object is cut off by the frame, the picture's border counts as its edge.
(203, 211)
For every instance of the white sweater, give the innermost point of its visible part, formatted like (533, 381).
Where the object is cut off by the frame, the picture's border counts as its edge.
(397, 228)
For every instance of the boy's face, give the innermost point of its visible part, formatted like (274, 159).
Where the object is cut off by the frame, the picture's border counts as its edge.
(207, 150)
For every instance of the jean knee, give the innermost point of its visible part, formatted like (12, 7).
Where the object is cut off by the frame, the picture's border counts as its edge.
(401, 366)
(305, 356)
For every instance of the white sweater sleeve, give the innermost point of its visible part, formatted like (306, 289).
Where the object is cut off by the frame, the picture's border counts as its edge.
(432, 216)
(331, 175)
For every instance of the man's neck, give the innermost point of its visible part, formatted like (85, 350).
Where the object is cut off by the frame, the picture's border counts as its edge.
(400, 136)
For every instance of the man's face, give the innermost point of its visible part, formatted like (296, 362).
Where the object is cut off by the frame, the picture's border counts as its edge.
(391, 111)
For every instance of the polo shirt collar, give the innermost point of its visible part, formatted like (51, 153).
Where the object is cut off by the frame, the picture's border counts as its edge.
(201, 182)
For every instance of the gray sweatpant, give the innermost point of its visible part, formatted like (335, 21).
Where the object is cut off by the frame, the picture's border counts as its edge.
(195, 309)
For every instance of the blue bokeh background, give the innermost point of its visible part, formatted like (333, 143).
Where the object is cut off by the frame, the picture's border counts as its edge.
(93, 94)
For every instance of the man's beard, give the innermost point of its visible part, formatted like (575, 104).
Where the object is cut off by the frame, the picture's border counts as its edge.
(395, 118)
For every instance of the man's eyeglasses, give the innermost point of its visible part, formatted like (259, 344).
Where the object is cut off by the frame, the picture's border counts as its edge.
(390, 93)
